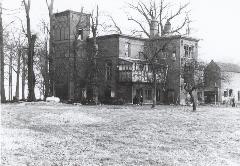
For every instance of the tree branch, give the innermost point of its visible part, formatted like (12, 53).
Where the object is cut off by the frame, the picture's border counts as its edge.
(131, 19)
(179, 11)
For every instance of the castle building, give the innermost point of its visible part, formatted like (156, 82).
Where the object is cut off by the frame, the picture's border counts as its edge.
(123, 72)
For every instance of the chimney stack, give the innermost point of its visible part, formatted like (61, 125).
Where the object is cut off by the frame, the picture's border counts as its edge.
(154, 28)
(167, 28)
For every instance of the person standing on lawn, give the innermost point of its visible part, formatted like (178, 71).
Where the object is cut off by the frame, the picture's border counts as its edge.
(141, 100)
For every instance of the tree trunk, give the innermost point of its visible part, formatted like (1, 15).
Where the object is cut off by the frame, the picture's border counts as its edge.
(10, 79)
(31, 42)
(154, 89)
(193, 101)
(51, 59)
(51, 50)
(23, 76)
(46, 75)
(3, 98)
(95, 48)
(18, 73)
(31, 75)
(75, 69)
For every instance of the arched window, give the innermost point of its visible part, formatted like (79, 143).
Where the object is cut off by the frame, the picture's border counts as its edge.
(108, 71)
(58, 34)
(62, 34)
(66, 34)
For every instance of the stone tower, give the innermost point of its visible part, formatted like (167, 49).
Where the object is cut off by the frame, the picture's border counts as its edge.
(66, 26)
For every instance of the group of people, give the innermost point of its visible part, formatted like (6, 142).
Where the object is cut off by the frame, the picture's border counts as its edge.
(138, 100)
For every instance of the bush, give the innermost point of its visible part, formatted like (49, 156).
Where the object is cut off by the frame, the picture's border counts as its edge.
(113, 101)
(85, 101)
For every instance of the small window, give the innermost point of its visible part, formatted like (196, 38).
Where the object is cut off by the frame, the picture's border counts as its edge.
(188, 51)
(225, 94)
(80, 33)
(62, 34)
(57, 34)
(185, 51)
(141, 56)
(127, 49)
(230, 93)
(141, 66)
(66, 34)
(238, 95)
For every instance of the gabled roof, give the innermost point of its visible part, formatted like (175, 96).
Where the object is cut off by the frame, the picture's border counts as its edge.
(228, 67)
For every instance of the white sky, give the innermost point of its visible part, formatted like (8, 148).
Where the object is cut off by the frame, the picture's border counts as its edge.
(216, 22)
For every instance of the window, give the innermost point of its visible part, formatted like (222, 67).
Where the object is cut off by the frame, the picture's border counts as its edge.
(185, 51)
(141, 66)
(238, 95)
(230, 92)
(225, 93)
(158, 94)
(141, 55)
(61, 34)
(200, 96)
(80, 33)
(148, 94)
(127, 49)
(108, 71)
(66, 33)
(188, 51)
(57, 34)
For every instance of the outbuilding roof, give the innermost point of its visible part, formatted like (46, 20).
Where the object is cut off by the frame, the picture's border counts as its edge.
(228, 67)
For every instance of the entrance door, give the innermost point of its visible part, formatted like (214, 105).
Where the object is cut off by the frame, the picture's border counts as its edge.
(210, 97)
(107, 92)
(139, 92)
(158, 93)
(89, 93)
(170, 96)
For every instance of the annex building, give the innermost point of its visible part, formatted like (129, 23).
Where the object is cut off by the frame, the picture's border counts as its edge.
(122, 71)
(222, 83)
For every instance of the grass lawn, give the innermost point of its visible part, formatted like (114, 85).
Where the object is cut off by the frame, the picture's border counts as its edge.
(47, 134)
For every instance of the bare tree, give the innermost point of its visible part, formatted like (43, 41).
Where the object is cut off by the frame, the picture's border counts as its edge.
(44, 58)
(51, 49)
(13, 48)
(24, 71)
(10, 77)
(19, 43)
(114, 27)
(31, 42)
(94, 29)
(3, 98)
(162, 12)
(193, 75)
(18, 73)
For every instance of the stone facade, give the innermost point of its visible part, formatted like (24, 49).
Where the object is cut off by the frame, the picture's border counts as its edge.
(120, 63)
(65, 26)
